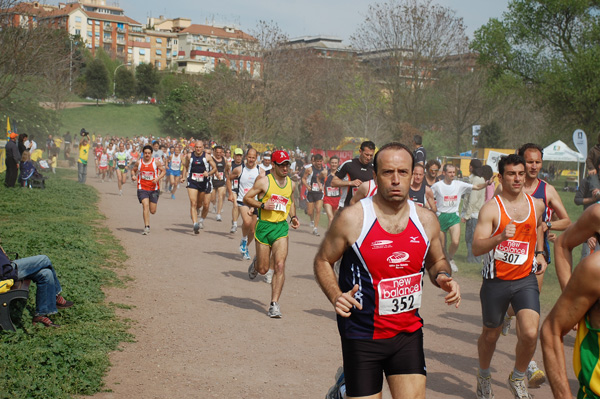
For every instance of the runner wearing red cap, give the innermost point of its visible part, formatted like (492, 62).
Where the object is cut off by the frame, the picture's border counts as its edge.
(271, 231)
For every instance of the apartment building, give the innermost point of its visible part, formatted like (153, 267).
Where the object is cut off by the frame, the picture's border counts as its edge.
(99, 25)
(203, 47)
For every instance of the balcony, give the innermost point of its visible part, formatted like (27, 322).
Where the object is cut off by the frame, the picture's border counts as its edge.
(107, 28)
(107, 39)
(121, 41)
(120, 30)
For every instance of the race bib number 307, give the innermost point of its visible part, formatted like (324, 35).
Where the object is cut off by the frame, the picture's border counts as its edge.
(400, 294)
(512, 252)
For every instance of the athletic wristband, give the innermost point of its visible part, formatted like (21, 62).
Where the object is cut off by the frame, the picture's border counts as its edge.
(540, 253)
(262, 205)
(444, 273)
(293, 217)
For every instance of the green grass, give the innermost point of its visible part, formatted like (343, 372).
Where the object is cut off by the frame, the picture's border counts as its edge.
(112, 119)
(551, 288)
(62, 222)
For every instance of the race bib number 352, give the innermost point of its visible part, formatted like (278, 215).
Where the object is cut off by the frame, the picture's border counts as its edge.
(400, 294)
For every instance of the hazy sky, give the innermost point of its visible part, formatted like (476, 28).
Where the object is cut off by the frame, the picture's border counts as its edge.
(296, 18)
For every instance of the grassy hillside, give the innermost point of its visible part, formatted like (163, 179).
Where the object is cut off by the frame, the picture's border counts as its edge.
(117, 120)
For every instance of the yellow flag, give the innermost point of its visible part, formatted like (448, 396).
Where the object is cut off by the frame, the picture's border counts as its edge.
(8, 127)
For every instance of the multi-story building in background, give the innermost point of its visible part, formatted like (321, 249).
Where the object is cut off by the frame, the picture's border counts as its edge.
(203, 47)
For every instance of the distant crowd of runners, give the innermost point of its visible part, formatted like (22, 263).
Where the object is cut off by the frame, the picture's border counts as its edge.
(400, 222)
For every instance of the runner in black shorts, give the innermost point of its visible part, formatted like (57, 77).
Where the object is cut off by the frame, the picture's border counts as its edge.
(377, 305)
(313, 180)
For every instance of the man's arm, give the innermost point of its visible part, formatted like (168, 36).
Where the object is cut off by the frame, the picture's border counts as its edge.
(361, 193)
(161, 170)
(293, 217)
(232, 176)
(430, 199)
(539, 245)
(585, 227)
(482, 240)
(186, 163)
(436, 263)
(338, 238)
(307, 173)
(581, 292)
(213, 165)
(260, 186)
(557, 206)
(134, 168)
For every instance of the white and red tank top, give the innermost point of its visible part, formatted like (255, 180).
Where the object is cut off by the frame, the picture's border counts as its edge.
(147, 172)
(513, 259)
(389, 270)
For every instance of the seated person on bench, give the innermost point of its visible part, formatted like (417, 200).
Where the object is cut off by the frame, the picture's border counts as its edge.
(48, 298)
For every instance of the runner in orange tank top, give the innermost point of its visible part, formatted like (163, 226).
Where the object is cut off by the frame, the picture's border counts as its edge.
(149, 172)
(509, 231)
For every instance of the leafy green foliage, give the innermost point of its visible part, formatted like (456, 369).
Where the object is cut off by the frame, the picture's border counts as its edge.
(38, 362)
(553, 47)
(96, 78)
(147, 80)
(124, 84)
(25, 113)
(186, 112)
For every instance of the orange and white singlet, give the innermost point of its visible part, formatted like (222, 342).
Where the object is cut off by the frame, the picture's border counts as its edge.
(147, 172)
(513, 259)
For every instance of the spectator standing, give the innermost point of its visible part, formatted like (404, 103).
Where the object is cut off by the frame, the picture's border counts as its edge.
(13, 157)
(30, 144)
(21, 143)
(432, 170)
(488, 175)
(473, 203)
(419, 152)
(588, 194)
(593, 158)
(82, 162)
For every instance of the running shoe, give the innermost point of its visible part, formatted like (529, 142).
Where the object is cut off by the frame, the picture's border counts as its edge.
(146, 231)
(120, 192)
(506, 324)
(247, 254)
(335, 392)
(316, 232)
(196, 228)
(312, 223)
(269, 276)
(218, 217)
(233, 228)
(453, 265)
(535, 376)
(201, 224)
(243, 245)
(252, 272)
(172, 196)
(518, 388)
(274, 311)
(484, 387)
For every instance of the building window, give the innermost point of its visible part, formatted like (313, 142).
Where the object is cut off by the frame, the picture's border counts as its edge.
(97, 22)
(158, 52)
(129, 51)
(157, 64)
(77, 32)
(77, 19)
(147, 39)
(142, 51)
(120, 26)
(90, 22)
(158, 40)
(97, 34)
(89, 33)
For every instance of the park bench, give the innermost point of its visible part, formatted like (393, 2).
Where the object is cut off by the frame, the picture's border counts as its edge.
(20, 290)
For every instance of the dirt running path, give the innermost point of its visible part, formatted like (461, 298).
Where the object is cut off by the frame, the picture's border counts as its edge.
(201, 328)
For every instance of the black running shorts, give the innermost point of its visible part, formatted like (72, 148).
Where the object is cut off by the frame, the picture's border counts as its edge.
(365, 361)
(496, 295)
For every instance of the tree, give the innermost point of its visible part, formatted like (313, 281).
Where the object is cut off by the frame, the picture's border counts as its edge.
(97, 81)
(553, 49)
(25, 51)
(186, 112)
(124, 84)
(147, 80)
(405, 42)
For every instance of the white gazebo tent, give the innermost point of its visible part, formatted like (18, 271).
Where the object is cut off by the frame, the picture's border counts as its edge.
(559, 151)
